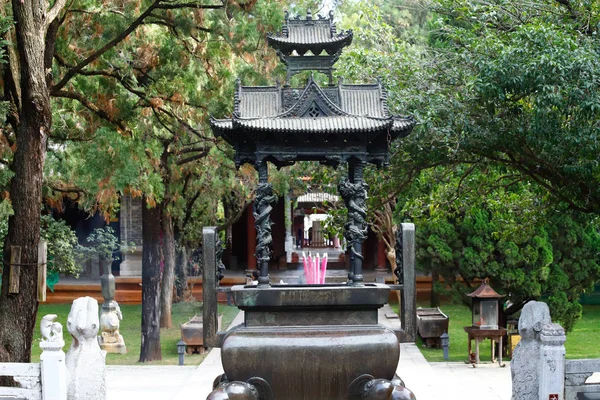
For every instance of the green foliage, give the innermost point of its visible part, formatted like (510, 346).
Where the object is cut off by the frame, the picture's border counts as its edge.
(144, 128)
(103, 243)
(528, 250)
(61, 241)
(501, 172)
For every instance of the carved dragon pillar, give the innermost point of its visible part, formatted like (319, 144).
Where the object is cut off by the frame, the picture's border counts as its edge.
(354, 192)
(263, 205)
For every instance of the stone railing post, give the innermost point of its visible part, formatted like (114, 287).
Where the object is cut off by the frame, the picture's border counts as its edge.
(538, 362)
(409, 290)
(52, 360)
(552, 362)
(209, 286)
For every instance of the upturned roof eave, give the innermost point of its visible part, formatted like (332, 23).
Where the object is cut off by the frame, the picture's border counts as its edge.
(485, 291)
(343, 38)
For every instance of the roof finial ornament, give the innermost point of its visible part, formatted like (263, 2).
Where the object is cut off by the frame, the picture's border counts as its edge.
(286, 15)
(309, 15)
(331, 15)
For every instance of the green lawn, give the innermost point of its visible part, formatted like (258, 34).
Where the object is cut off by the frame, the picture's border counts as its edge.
(582, 342)
(131, 331)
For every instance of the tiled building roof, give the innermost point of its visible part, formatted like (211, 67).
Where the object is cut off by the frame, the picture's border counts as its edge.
(345, 108)
(331, 124)
(316, 35)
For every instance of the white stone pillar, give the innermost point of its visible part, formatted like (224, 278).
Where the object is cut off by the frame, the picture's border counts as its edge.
(52, 360)
(289, 240)
(552, 362)
(53, 370)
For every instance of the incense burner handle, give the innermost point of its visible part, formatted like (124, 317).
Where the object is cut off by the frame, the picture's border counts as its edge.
(365, 387)
(253, 389)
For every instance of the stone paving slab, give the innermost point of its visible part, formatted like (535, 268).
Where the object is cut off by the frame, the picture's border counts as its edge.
(452, 380)
(148, 382)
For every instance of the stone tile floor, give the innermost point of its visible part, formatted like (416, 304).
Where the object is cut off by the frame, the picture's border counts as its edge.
(429, 381)
(452, 380)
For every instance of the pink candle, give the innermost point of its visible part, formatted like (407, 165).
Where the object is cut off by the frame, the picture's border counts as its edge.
(305, 264)
(323, 268)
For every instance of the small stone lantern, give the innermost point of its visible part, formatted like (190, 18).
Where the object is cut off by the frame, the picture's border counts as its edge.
(486, 306)
(445, 345)
(181, 351)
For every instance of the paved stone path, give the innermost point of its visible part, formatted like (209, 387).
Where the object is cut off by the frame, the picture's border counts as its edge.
(429, 381)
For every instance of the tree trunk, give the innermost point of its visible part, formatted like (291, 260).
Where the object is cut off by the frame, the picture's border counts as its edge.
(18, 311)
(182, 278)
(435, 299)
(166, 298)
(151, 263)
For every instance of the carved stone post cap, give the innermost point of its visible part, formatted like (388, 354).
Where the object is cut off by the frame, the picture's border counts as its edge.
(52, 346)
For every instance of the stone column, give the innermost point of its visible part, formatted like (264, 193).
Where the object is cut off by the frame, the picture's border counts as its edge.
(131, 232)
(263, 205)
(354, 193)
(405, 273)
(209, 286)
(552, 362)
(289, 240)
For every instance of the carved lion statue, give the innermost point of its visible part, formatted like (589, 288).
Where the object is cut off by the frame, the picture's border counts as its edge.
(85, 361)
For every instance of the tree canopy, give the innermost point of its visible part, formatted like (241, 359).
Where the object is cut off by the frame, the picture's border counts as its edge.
(502, 171)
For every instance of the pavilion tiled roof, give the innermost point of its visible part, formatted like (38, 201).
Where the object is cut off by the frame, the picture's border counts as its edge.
(268, 101)
(360, 108)
(332, 124)
(485, 291)
(325, 125)
(349, 123)
(309, 34)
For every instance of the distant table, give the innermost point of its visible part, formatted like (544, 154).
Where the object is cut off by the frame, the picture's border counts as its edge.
(482, 334)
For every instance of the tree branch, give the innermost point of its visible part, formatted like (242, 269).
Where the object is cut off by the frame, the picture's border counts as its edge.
(54, 11)
(188, 210)
(193, 150)
(95, 55)
(94, 108)
(171, 5)
(192, 158)
(71, 138)
(71, 189)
